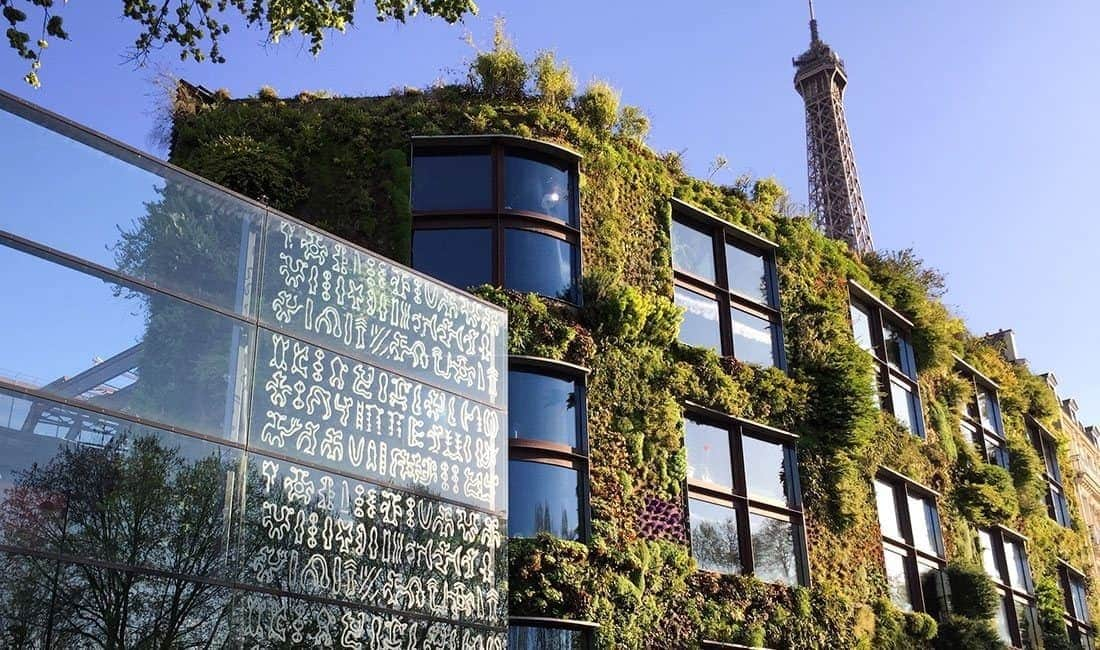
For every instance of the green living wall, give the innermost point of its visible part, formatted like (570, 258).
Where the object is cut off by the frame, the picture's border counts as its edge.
(342, 164)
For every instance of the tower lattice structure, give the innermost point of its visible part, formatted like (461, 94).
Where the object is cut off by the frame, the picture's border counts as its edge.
(835, 195)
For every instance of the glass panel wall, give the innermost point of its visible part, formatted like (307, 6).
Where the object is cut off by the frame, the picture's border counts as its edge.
(462, 180)
(535, 184)
(539, 263)
(462, 257)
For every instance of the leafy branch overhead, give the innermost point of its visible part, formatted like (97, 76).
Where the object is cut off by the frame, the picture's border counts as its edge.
(196, 26)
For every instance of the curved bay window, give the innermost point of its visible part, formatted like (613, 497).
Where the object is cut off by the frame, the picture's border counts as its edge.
(726, 283)
(981, 416)
(534, 633)
(1005, 560)
(547, 449)
(912, 544)
(744, 502)
(1078, 622)
(1046, 446)
(886, 335)
(498, 210)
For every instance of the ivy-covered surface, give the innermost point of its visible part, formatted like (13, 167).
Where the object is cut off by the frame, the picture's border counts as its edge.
(342, 164)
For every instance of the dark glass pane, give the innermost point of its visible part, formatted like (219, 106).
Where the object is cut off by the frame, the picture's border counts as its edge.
(765, 469)
(897, 579)
(540, 264)
(693, 251)
(460, 257)
(543, 499)
(1028, 619)
(861, 327)
(969, 432)
(773, 549)
(545, 638)
(905, 406)
(1080, 599)
(700, 325)
(26, 583)
(714, 536)
(444, 182)
(987, 410)
(163, 227)
(708, 453)
(1050, 458)
(995, 452)
(542, 407)
(121, 348)
(932, 587)
(536, 186)
(898, 351)
(926, 525)
(753, 340)
(747, 273)
(887, 510)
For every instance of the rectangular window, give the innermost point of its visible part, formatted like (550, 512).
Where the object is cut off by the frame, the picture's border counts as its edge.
(1076, 604)
(1005, 560)
(885, 334)
(913, 551)
(726, 283)
(743, 504)
(1046, 446)
(981, 416)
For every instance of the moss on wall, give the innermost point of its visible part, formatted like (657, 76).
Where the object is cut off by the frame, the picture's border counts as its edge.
(342, 164)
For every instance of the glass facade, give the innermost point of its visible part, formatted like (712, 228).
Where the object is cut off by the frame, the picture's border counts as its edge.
(452, 180)
(538, 263)
(538, 184)
(526, 637)
(743, 477)
(434, 253)
(196, 448)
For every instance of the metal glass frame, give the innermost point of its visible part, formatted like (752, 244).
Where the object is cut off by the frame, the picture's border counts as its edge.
(722, 233)
(1079, 629)
(903, 489)
(1000, 537)
(737, 496)
(587, 629)
(1046, 445)
(497, 219)
(988, 437)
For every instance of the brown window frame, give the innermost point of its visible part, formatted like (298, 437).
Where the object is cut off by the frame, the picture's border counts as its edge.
(879, 315)
(550, 453)
(1046, 446)
(971, 410)
(496, 219)
(1000, 537)
(721, 233)
(904, 487)
(1074, 626)
(736, 496)
(588, 629)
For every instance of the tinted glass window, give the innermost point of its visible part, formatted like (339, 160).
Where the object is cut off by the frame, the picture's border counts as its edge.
(773, 549)
(897, 348)
(887, 510)
(1080, 600)
(930, 578)
(708, 453)
(747, 274)
(542, 498)
(896, 579)
(452, 182)
(539, 264)
(121, 348)
(765, 469)
(752, 339)
(995, 452)
(700, 325)
(535, 186)
(925, 521)
(1050, 458)
(861, 327)
(167, 229)
(461, 257)
(714, 537)
(692, 251)
(542, 407)
(545, 638)
(1029, 623)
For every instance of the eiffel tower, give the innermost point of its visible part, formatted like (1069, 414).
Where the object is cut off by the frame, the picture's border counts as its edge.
(835, 195)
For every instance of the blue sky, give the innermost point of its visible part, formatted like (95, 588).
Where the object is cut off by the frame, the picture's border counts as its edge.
(973, 122)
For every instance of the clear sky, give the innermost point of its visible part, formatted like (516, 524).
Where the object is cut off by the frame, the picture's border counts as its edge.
(974, 123)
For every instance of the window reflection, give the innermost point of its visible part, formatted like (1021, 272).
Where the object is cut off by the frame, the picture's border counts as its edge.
(536, 186)
(539, 263)
(887, 510)
(163, 228)
(773, 549)
(752, 339)
(708, 453)
(925, 523)
(700, 324)
(765, 469)
(747, 274)
(127, 349)
(452, 181)
(542, 499)
(861, 327)
(692, 251)
(714, 537)
(546, 638)
(897, 580)
(897, 348)
(543, 407)
(905, 404)
(462, 257)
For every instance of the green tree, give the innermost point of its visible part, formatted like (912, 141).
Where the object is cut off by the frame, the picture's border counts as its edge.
(197, 27)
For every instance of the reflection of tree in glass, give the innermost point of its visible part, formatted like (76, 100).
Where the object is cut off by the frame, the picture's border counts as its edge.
(131, 503)
(773, 551)
(714, 545)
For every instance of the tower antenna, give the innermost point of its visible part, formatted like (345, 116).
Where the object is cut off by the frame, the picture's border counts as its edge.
(813, 24)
